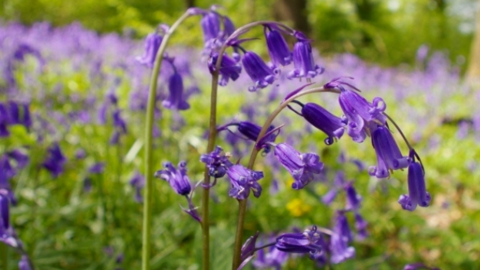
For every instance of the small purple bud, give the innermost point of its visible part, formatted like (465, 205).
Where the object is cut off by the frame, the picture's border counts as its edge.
(258, 71)
(55, 160)
(4, 121)
(20, 158)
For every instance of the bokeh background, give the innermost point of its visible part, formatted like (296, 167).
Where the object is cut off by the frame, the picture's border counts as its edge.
(67, 59)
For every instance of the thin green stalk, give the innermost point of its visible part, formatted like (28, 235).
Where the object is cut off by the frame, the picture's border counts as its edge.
(4, 255)
(149, 171)
(251, 162)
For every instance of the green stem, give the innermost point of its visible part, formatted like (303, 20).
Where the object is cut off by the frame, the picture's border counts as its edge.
(147, 206)
(251, 162)
(4, 256)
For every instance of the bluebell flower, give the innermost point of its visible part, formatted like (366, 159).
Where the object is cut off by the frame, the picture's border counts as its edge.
(389, 156)
(118, 121)
(4, 211)
(360, 226)
(138, 182)
(353, 198)
(258, 71)
(97, 168)
(24, 263)
(230, 69)
(417, 192)
(177, 178)
(250, 131)
(303, 62)
(20, 158)
(322, 119)
(243, 180)
(340, 238)
(210, 24)
(176, 99)
(277, 46)
(4, 121)
(342, 227)
(309, 242)
(55, 160)
(152, 44)
(302, 167)
(217, 162)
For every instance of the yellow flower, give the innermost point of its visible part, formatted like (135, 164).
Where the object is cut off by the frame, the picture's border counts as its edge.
(297, 208)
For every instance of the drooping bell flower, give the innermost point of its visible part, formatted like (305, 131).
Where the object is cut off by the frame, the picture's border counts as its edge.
(217, 162)
(138, 182)
(152, 44)
(309, 242)
(271, 258)
(228, 27)
(353, 198)
(118, 121)
(258, 71)
(24, 263)
(250, 131)
(20, 158)
(210, 24)
(4, 211)
(243, 180)
(278, 49)
(360, 226)
(230, 69)
(55, 160)
(342, 235)
(176, 99)
(389, 156)
(4, 121)
(303, 62)
(177, 178)
(322, 119)
(303, 167)
(417, 192)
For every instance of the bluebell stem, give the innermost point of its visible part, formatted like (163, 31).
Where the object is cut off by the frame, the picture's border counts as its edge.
(152, 44)
(230, 69)
(304, 65)
(389, 156)
(258, 71)
(176, 99)
(417, 192)
(243, 180)
(55, 160)
(277, 46)
(302, 167)
(177, 178)
(217, 162)
(322, 119)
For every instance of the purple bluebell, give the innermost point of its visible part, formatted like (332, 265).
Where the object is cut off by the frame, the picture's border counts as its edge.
(248, 250)
(118, 121)
(115, 138)
(228, 27)
(417, 192)
(80, 153)
(20, 158)
(24, 263)
(310, 241)
(152, 44)
(360, 226)
(342, 235)
(338, 183)
(353, 198)
(4, 121)
(176, 99)
(230, 69)
(210, 24)
(6, 173)
(250, 131)
(303, 62)
(55, 160)
(177, 178)
(217, 162)
(97, 168)
(389, 156)
(272, 258)
(243, 180)
(277, 46)
(87, 184)
(258, 71)
(4, 211)
(138, 182)
(322, 119)
(302, 167)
